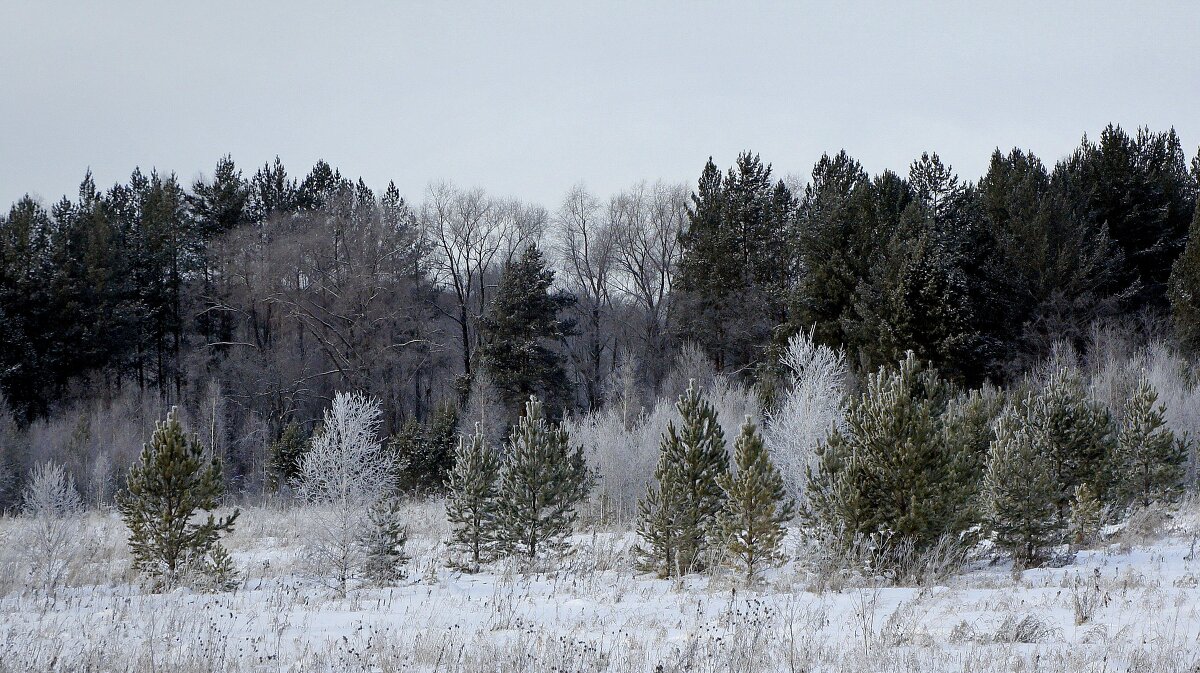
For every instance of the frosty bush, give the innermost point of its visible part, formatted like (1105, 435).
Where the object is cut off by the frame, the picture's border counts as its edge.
(812, 406)
(53, 543)
(343, 474)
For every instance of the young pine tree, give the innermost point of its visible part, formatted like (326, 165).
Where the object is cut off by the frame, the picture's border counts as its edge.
(1019, 490)
(1087, 514)
(1074, 435)
(471, 503)
(1184, 290)
(165, 490)
(679, 515)
(541, 482)
(1149, 460)
(756, 504)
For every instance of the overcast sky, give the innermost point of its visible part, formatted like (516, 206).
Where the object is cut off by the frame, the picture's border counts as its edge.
(526, 99)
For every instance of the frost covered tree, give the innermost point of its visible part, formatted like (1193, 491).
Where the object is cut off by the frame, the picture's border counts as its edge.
(53, 504)
(343, 475)
(679, 515)
(1184, 289)
(1148, 459)
(1019, 489)
(471, 501)
(168, 487)
(541, 482)
(812, 407)
(756, 504)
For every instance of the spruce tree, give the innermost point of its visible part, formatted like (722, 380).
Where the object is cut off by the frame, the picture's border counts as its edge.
(679, 516)
(519, 332)
(1149, 460)
(286, 452)
(384, 543)
(1185, 290)
(164, 492)
(542, 481)
(1019, 490)
(756, 504)
(472, 499)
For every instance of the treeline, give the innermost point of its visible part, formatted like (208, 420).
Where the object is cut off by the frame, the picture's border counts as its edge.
(248, 300)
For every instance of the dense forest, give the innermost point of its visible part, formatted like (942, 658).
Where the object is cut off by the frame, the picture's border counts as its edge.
(249, 299)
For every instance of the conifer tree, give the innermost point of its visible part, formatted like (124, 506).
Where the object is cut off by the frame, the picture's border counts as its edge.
(286, 454)
(1019, 490)
(384, 542)
(1185, 290)
(1074, 434)
(471, 503)
(679, 516)
(756, 504)
(542, 481)
(518, 333)
(1087, 513)
(165, 490)
(1149, 460)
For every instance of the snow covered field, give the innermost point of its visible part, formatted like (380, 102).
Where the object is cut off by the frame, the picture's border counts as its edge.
(1134, 605)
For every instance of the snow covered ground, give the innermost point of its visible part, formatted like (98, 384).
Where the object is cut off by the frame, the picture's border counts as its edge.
(1134, 605)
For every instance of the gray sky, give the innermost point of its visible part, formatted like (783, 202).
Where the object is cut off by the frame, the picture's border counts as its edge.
(526, 99)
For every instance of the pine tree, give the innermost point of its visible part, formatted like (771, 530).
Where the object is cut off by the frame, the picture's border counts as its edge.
(756, 504)
(1087, 513)
(1019, 490)
(286, 454)
(541, 483)
(679, 516)
(1074, 434)
(1149, 460)
(165, 490)
(384, 542)
(890, 474)
(1185, 290)
(518, 332)
(472, 499)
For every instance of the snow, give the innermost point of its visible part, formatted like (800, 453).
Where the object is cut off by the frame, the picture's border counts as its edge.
(591, 611)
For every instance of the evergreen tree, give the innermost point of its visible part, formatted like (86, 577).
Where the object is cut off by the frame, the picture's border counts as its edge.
(519, 331)
(892, 473)
(1185, 290)
(219, 206)
(472, 499)
(1149, 460)
(164, 491)
(385, 539)
(679, 515)
(1087, 514)
(756, 504)
(1019, 490)
(541, 483)
(286, 453)
(1074, 434)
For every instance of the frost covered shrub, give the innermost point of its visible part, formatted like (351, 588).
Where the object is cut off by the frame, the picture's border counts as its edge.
(345, 472)
(813, 404)
(52, 544)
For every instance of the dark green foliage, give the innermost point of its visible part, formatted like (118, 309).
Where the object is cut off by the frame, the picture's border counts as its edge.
(384, 544)
(737, 265)
(1020, 491)
(542, 481)
(472, 502)
(756, 505)
(520, 332)
(424, 454)
(165, 490)
(679, 515)
(1149, 460)
(1185, 290)
(286, 453)
(894, 474)
(1073, 433)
